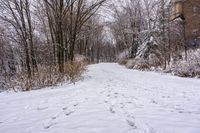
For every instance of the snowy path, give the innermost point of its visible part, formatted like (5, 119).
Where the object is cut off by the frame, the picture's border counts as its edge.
(111, 99)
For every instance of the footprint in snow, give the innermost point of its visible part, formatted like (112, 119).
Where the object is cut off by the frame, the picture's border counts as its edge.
(131, 123)
(116, 93)
(178, 108)
(153, 101)
(181, 112)
(166, 97)
(178, 105)
(106, 101)
(122, 105)
(108, 95)
(49, 124)
(64, 108)
(42, 107)
(145, 128)
(130, 120)
(68, 111)
(112, 110)
(75, 104)
(130, 102)
(55, 116)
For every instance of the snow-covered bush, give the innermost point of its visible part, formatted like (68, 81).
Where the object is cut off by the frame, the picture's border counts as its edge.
(130, 64)
(155, 60)
(148, 54)
(4, 82)
(141, 64)
(81, 58)
(122, 61)
(138, 63)
(123, 57)
(149, 49)
(189, 67)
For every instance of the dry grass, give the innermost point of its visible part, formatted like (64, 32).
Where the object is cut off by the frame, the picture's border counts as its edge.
(50, 76)
(123, 61)
(74, 70)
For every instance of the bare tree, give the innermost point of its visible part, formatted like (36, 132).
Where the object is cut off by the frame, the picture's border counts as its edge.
(66, 19)
(18, 15)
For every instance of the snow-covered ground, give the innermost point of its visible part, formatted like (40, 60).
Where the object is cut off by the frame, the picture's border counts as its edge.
(111, 99)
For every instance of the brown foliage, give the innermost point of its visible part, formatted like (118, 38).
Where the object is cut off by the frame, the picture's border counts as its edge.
(74, 70)
(50, 76)
(123, 61)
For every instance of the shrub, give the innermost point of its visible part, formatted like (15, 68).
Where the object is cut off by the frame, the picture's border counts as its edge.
(122, 61)
(130, 64)
(154, 61)
(141, 64)
(74, 70)
(50, 76)
(138, 63)
(189, 67)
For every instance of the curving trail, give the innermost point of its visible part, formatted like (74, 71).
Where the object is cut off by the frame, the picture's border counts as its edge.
(110, 99)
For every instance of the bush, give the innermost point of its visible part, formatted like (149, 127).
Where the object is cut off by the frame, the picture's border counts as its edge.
(148, 55)
(122, 61)
(189, 67)
(141, 64)
(138, 63)
(74, 70)
(50, 76)
(130, 64)
(154, 61)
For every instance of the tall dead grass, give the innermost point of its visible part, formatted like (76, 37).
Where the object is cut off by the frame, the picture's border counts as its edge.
(50, 76)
